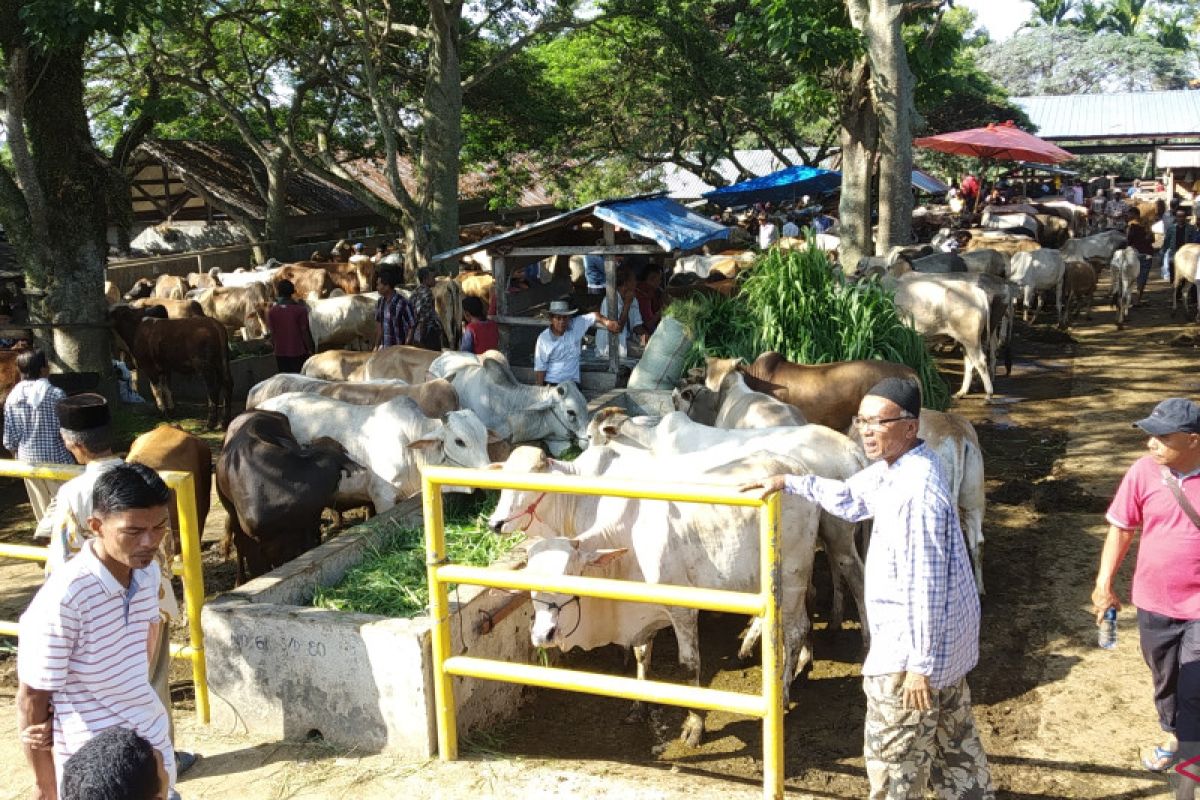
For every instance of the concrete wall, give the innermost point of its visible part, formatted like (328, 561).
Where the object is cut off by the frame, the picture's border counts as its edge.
(279, 669)
(126, 273)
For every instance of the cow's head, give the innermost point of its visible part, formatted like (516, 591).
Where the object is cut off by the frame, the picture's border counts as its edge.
(698, 402)
(517, 508)
(557, 616)
(606, 425)
(143, 287)
(353, 478)
(568, 409)
(460, 441)
(716, 369)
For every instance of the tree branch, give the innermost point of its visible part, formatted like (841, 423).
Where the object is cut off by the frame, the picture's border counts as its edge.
(551, 24)
(24, 171)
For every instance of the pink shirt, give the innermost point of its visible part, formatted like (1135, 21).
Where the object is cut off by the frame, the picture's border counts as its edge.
(1166, 579)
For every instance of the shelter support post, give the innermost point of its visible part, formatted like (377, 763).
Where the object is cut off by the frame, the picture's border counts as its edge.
(500, 287)
(610, 294)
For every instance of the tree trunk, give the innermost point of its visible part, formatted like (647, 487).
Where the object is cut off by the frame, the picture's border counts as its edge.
(859, 139)
(275, 226)
(892, 89)
(63, 260)
(441, 141)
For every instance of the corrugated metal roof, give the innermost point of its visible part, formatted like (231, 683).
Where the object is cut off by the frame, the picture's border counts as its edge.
(1120, 115)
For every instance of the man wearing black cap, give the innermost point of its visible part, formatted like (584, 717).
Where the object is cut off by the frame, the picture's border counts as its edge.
(1160, 495)
(922, 607)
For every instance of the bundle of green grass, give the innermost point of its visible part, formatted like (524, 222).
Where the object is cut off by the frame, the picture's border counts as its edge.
(801, 306)
(391, 580)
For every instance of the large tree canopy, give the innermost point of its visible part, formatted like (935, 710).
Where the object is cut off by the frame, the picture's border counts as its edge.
(1068, 60)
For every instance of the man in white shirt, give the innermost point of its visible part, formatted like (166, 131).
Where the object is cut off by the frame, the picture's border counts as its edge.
(768, 234)
(629, 316)
(556, 355)
(85, 638)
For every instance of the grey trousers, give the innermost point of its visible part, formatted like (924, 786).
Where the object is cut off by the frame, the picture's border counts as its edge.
(1171, 648)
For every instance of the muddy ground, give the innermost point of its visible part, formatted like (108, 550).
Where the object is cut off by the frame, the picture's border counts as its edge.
(1059, 717)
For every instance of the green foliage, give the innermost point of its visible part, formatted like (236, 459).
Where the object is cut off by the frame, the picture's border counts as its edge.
(391, 580)
(1069, 60)
(799, 305)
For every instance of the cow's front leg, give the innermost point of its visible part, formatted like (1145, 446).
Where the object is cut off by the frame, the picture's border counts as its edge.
(641, 654)
(686, 621)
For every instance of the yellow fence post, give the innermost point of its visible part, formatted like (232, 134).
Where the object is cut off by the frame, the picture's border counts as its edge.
(772, 649)
(767, 704)
(193, 584)
(193, 575)
(439, 604)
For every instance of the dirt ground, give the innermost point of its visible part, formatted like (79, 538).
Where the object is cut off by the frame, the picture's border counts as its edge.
(1060, 718)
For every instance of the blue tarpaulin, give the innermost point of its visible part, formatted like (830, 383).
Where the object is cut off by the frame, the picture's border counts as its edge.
(663, 221)
(786, 185)
(790, 184)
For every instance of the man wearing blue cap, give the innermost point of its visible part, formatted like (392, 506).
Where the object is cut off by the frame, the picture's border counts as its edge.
(1160, 495)
(921, 603)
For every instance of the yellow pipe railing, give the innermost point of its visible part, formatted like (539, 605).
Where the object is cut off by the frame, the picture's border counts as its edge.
(186, 564)
(768, 705)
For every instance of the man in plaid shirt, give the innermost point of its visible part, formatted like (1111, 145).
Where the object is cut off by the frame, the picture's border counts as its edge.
(31, 426)
(429, 327)
(393, 312)
(921, 603)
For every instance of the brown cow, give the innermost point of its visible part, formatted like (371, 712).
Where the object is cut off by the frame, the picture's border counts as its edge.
(348, 282)
(10, 376)
(261, 463)
(176, 309)
(170, 287)
(1007, 244)
(112, 295)
(1079, 288)
(477, 284)
(142, 287)
(204, 280)
(400, 362)
(168, 447)
(447, 300)
(436, 398)
(195, 346)
(827, 394)
(307, 279)
(237, 306)
(336, 365)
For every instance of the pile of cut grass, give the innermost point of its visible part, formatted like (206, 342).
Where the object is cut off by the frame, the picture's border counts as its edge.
(799, 305)
(391, 581)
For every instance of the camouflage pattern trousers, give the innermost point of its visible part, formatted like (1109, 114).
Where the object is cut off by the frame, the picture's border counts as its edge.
(909, 752)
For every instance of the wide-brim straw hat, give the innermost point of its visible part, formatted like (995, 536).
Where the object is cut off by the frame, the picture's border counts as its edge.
(561, 308)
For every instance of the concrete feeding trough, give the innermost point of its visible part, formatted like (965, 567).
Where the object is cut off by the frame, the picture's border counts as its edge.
(246, 372)
(282, 669)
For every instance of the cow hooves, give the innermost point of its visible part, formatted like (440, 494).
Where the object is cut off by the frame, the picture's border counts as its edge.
(693, 731)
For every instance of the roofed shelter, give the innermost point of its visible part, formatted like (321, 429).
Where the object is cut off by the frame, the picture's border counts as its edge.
(1118, 122)
(645, 225)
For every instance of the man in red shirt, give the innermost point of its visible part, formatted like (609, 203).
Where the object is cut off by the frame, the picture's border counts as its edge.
(1159, 495)
(288, 323)
(480, 334)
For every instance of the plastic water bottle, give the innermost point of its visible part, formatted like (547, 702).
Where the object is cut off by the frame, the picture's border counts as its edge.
(1108, 630)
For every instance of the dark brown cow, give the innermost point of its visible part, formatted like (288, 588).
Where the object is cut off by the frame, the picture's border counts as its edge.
(306, 279)
(274, 490)
(196, 346)
(168, 447)
(142, 287)
(827, 394)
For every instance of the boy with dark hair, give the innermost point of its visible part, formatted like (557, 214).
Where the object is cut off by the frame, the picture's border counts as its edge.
(86, 637)
(31, 426)
(116, 764)
(480, 334)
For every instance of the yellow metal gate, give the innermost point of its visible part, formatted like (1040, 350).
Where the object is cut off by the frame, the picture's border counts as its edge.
(768, 706)
(187, 563)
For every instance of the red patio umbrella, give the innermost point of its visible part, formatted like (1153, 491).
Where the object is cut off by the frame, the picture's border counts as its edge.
(997, 142)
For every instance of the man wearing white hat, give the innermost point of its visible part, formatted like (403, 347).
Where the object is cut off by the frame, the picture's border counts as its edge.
(556, 355)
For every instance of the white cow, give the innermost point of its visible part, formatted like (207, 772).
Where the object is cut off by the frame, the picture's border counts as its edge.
(728, 264)
(658, 542)
(1185, 260)
(342, 321)
(1125, 267)
(245, 277)
(1098, 248)
(821, 450)
(393, 439)
(1038, 271)
(556, 415)
(944, 305)
(736, 405)
(1008, 221)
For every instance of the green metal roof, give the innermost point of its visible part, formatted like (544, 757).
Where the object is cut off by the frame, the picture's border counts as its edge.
(1120, 115)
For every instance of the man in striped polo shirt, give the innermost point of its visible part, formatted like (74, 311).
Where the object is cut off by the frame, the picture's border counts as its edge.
(85, 638)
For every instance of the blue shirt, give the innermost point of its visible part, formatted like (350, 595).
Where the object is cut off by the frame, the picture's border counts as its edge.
(593, 270)
(922, 606)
